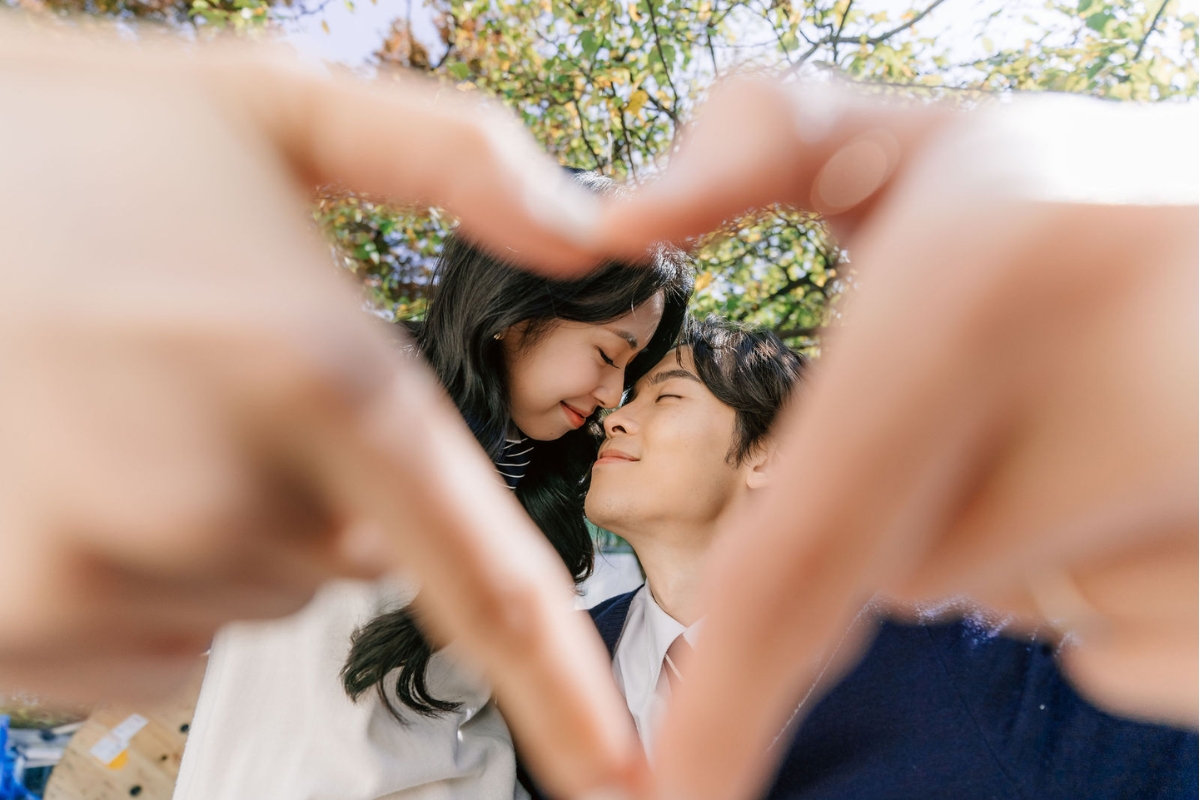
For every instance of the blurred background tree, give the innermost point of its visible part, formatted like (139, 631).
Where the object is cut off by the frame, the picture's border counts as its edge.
(606, 85)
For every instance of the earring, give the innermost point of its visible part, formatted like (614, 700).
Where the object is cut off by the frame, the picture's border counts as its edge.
(498, 336)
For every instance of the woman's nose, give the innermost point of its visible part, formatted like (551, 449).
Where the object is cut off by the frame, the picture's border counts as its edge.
(608, 393)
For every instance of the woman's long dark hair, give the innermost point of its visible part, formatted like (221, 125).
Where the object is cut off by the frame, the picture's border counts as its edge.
(479, 296)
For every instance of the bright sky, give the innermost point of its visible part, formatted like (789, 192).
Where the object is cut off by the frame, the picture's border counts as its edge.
(355, 29)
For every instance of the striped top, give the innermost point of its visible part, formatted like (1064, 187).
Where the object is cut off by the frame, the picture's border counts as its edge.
(514, 459)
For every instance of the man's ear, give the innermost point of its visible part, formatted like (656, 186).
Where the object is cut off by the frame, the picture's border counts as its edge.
(760, 465)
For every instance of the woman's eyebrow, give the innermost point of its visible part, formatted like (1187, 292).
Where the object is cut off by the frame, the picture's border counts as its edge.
(629, 338)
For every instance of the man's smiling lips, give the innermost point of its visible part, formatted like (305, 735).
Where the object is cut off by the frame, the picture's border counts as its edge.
(611, 455)
(574, 415)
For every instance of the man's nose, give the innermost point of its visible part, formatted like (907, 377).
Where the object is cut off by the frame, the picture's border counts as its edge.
(618, 421)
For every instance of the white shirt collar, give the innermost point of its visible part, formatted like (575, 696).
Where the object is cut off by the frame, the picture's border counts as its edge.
(638, 659)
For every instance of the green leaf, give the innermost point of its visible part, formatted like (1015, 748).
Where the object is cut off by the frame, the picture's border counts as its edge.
(459, 71)
(1097, 22)
(1084, 5)
(589, 42)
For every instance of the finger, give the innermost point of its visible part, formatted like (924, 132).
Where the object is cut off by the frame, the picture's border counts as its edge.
(409, 141)
(759, 142)
(489, 580)
(860, 487)
(1142, 673)
(417, 141)
(1101, 451)
(130, 675)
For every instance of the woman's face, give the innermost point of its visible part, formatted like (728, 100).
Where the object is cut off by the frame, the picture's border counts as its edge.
(559, 378)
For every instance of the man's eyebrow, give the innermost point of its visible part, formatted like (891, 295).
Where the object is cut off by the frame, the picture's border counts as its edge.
(666, 375)
(660, 377)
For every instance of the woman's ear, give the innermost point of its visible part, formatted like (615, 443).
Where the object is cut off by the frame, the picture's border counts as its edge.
(515, 332)
(760, 466)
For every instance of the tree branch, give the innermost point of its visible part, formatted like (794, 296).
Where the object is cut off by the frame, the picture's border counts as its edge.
(304, 11)
(883, 37)
(452, 23)
(924, 87)
(583, 135)
(441, 61)
(1150, 30)
(652, 100)
(662, 60)
(712, 52)
(624, 135)
(766, 15)
(715, 20)
(797, 64)
(841, 27)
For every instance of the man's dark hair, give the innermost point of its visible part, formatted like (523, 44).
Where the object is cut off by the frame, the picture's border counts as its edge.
(747, 368)
(477, 297)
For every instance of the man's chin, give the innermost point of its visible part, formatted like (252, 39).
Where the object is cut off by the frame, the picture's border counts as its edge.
(599, 507)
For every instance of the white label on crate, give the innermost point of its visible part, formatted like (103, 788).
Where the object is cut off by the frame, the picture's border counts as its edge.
(129, 727)
(107, 749)
(116, 741)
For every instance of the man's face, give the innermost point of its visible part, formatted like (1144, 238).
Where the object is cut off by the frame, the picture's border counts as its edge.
(664, 459)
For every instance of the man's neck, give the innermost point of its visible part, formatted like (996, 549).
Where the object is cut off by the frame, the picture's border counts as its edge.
(672, 560)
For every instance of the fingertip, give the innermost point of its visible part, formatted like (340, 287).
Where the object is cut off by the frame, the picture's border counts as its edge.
(565, 210)
(628, 227)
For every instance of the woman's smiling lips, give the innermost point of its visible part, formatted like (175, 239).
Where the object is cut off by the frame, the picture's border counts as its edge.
(574, 415)
(611, 455)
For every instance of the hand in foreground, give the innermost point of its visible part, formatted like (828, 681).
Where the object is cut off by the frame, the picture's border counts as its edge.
(1008, 412)
(199, 424)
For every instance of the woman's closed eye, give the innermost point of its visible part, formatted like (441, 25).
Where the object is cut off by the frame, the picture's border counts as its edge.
(604, 356)
(665, 396)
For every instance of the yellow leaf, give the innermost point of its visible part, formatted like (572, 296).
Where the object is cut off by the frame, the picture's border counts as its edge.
(633, 12)
(637, 100)
(325, 26)
(703, 280)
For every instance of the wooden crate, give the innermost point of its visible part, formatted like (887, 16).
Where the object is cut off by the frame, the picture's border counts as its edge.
(147, 766)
